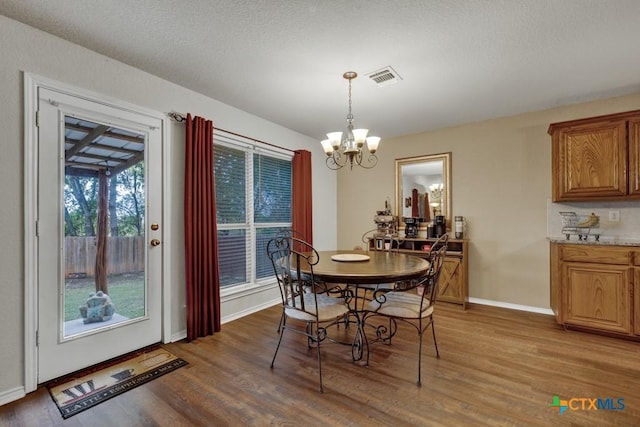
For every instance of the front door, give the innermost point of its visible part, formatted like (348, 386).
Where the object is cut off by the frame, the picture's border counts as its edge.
(99, 232)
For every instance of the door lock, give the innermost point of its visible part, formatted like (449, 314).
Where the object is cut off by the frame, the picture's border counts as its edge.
(155, 242)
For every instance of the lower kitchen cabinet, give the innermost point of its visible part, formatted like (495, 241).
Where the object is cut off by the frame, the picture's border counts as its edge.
(596, 287)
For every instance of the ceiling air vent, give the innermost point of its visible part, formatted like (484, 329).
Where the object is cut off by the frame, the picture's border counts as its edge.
(385, 76)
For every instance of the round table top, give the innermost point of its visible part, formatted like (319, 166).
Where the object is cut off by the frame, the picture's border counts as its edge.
(381, 267)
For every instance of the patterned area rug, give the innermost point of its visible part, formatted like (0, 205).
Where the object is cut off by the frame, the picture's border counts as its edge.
(85, 389)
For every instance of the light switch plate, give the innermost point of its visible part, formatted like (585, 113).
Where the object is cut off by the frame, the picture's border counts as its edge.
(614, 216)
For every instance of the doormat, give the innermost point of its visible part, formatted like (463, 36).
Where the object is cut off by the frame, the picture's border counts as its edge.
(87, 388)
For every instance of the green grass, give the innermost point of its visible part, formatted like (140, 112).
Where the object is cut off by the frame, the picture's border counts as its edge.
(126, 292)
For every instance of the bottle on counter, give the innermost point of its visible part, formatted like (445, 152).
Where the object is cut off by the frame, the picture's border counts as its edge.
(440, 225)
(459, 227)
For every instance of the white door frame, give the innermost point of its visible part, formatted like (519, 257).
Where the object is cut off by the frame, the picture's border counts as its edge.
(31, 85)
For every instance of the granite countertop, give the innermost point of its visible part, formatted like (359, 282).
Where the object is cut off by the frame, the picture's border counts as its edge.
(604, 241)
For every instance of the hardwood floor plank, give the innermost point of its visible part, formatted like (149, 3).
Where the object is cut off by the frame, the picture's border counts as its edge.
(498, 367)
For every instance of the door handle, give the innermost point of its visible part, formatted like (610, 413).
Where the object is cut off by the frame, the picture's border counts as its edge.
(155, 242)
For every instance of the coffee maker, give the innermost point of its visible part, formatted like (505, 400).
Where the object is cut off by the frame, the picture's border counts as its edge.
(411, 226)
(440, 225)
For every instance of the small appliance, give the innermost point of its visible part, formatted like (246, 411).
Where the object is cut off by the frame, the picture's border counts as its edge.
(411, 226)
(441, 225)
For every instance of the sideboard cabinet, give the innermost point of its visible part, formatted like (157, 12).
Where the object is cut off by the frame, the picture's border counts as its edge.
(596, 287)
(453, 285)
(596, 158)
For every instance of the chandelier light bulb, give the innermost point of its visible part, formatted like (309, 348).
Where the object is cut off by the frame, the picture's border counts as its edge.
(326, 145)
(335, 138)
(360, 135)
(372, 143)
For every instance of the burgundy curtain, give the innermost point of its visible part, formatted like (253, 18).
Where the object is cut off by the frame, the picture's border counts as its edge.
(201, 242)
(301, 194)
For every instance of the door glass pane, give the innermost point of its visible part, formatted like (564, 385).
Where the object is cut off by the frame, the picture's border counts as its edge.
(104, 226)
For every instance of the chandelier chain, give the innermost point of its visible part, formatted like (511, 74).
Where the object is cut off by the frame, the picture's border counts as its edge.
(350, 116)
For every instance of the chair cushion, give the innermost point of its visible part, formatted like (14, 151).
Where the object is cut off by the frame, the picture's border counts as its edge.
(328, 308)
(402, 304)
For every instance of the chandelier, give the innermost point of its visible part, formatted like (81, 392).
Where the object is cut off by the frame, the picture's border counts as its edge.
(350, 149)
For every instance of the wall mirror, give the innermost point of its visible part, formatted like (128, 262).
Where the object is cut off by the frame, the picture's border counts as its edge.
(423, 187)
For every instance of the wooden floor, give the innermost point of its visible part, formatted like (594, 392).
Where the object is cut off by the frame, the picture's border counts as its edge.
(497, 367)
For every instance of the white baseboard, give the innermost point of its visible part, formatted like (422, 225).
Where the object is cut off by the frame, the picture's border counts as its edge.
(178, 336)
(511, 306)
(11, 395)
(250, 310)
(183, 334)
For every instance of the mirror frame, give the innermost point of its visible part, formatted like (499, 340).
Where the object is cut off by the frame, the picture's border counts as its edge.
(446, 181)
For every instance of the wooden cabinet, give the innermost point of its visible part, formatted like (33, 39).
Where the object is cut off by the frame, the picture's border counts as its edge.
(636, 291)
(596, 158)
(634, 156)
(453, 286)
(597, 296)
(453, 281)
(596, 287)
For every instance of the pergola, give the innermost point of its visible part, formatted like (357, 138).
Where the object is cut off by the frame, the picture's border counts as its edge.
(100, 151)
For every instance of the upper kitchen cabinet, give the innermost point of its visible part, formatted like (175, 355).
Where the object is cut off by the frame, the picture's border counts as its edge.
(596, 158)
(634, 156)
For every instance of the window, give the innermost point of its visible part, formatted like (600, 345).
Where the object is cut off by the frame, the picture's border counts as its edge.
(253, 202)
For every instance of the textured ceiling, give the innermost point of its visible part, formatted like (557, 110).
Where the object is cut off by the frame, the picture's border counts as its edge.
(460, 61)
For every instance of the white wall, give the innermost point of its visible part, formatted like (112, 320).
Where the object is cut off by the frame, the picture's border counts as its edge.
(24, 49)
(501, 184)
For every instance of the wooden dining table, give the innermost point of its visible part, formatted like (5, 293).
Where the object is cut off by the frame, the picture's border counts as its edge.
(359, 270)
(380, 267)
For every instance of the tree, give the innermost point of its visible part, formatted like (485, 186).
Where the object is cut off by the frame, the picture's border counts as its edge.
(113, 216)
(131, 200)
(84, 191)
(70, 229)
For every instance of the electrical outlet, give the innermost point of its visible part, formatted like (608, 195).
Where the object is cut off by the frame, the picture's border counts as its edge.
(614, 216)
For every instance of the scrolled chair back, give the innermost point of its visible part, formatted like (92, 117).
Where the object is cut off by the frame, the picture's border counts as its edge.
(436, 262)
(407, 304)
(293, 260)
(427, 284)
(303, 299)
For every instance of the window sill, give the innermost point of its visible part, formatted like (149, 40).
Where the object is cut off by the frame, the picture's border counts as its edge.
(240, 291)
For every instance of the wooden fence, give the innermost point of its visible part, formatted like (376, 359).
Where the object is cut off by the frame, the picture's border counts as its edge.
(124, 255)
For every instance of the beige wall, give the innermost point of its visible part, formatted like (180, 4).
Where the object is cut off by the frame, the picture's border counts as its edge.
(501, 183)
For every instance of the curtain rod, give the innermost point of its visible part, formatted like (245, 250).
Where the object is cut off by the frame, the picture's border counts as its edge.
(183, 118)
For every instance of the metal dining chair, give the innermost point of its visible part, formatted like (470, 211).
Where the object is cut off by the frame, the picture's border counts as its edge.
(388, 243)
(303, 299)
(287, 232)
(408, 305)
